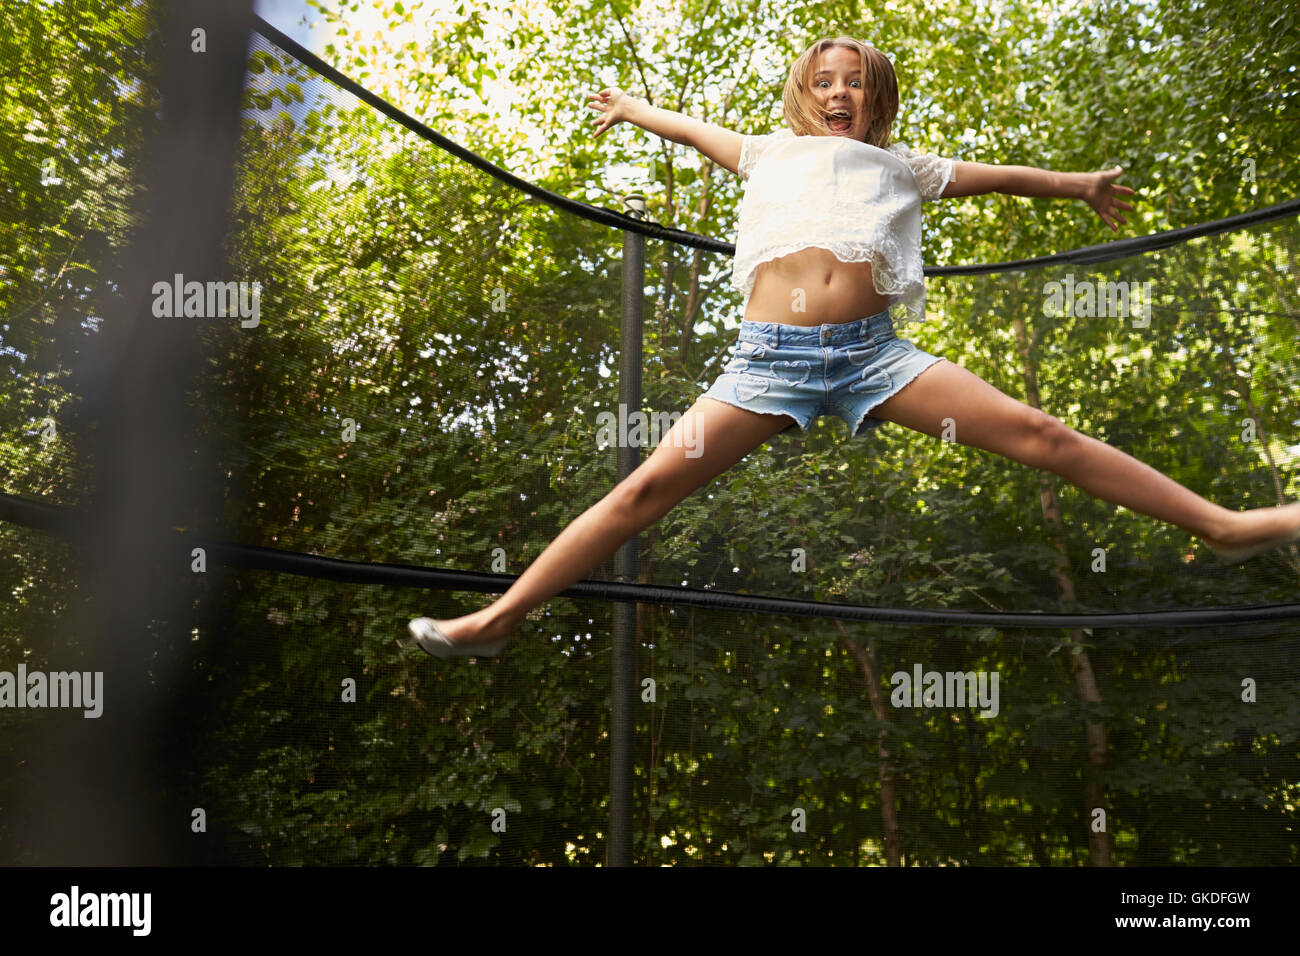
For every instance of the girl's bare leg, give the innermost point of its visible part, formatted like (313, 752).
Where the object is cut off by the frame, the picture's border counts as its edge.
(706, 441)
(986, 418)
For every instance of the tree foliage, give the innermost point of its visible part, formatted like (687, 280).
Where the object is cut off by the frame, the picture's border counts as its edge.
(469, 334)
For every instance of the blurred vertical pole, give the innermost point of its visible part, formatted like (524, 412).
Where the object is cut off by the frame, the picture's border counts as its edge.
(110, 791)
(623, 684)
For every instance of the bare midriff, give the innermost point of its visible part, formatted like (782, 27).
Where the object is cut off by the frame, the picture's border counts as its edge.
(813, 280)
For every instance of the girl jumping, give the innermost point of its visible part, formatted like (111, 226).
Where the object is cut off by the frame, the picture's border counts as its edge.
(829, 232)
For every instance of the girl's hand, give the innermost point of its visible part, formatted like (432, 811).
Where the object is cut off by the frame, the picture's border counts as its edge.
(614, 104)
(1102, 195)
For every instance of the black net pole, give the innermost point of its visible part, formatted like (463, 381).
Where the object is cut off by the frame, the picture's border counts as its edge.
(623, 686)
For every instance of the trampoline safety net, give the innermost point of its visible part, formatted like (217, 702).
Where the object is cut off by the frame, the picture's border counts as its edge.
(426, 376)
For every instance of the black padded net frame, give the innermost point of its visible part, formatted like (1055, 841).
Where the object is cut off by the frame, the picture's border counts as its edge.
(454, 326)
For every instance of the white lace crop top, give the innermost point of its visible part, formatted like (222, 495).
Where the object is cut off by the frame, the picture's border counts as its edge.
(860, 202)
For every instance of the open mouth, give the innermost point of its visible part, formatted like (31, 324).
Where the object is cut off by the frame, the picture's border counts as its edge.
(839, 121)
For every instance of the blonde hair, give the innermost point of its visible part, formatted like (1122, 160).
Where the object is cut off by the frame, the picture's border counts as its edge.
(806, 117)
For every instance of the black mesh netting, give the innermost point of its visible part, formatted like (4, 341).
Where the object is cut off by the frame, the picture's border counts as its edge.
(424, 385)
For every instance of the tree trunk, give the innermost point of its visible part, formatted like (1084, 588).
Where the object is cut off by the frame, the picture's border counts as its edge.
(1099, 847)
(888, 810)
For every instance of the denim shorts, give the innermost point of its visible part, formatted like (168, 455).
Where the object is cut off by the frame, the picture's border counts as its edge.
(843, 369)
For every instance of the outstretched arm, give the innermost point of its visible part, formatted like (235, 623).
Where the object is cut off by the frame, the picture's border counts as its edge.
(1098, 190)
(719, 144)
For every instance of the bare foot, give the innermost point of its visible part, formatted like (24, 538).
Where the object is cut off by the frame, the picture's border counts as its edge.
(1259, 527)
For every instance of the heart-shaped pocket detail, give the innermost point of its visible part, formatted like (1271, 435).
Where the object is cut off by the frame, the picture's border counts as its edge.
(750, 386)
(796, 373)
(873, 380)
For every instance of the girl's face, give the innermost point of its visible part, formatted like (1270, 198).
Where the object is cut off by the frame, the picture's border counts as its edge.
(837, 84)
